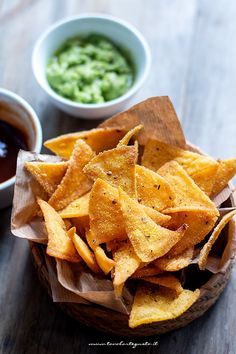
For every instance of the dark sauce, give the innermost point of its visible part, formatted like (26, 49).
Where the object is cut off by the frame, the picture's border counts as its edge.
(12, 140)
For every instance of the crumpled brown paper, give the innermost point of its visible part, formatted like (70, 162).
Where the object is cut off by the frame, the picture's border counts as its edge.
(72, 282)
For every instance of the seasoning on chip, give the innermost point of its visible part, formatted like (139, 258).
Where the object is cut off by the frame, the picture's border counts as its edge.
(153, 190)
(225, 172)
(175, 263)
(116, 166)
(168, 281)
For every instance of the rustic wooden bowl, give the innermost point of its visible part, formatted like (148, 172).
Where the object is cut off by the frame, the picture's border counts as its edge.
(113, 322)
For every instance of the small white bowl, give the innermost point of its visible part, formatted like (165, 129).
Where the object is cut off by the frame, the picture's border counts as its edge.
(24, 117)
(118, 31)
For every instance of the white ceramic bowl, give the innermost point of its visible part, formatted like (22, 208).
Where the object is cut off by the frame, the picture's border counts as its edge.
(22, 116)
(118, 31)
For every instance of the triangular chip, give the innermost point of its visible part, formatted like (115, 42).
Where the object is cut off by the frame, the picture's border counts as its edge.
(125, 140)
(49, 175)
(168, 281)
(116, 166)
(106, 220)
(75, 183)
(188, 196)
(214, 236)
(199, 222)
(78, 208)
(157, 153)
(225, 172)
(83, 250)
(98, 139)
(153, 190)
(159, 304)
(173, 264)
(126, 263)
(149, 240)
(59, 244)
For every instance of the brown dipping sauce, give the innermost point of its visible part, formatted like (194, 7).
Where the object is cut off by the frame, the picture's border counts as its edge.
(12, 140)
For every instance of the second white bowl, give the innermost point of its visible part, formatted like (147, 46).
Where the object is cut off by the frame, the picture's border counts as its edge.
(118, 31)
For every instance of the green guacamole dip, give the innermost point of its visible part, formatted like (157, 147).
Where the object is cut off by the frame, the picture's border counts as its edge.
(89, 70)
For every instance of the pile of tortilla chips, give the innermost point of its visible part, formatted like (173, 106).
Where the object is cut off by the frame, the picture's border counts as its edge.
(134, 215)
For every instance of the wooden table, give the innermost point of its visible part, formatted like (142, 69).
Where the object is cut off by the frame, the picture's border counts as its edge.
(194, 62)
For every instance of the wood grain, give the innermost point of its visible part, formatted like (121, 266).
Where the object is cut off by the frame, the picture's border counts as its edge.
(194, 63)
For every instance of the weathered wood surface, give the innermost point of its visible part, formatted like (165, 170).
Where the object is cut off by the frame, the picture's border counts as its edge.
(194, 62)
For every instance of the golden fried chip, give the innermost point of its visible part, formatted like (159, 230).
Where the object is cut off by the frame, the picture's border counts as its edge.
(126, 263)
(156, 216)
(214, 236)
(157, 153)
(75, 183)
(146, 271)
(79, 207)
(59, 244)
(188, 196)
(199, 222)
(98, 139)
(168, 281)
(153, 190)
(175, 263)
(49, 175)
(125, 140)
(116, 166)
(105, 263)
(149, 240)
(225, 172)
(106, 220)
(83, 250)
(159, 304)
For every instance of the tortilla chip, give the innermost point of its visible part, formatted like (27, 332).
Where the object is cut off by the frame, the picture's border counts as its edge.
(214, 236)
(106, 220)
(153, 190)
(173, 264)
(59, 244)
(168, 281)
(188, 196)
(157, 153)
(146, 271)
(49, 175)
(105, 263)
(126, 263)
(98, 139)
(83, 250)
(116, 166)
(79, 207)
(156, 216)
(225, 172)
(125, 140)
(149, 240)
(199, 222)
(159, 304)
(75, 183)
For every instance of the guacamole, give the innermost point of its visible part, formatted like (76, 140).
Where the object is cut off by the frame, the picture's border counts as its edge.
(89, 70)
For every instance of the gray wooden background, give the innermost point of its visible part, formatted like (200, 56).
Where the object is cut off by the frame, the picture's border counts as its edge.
(193, 44)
